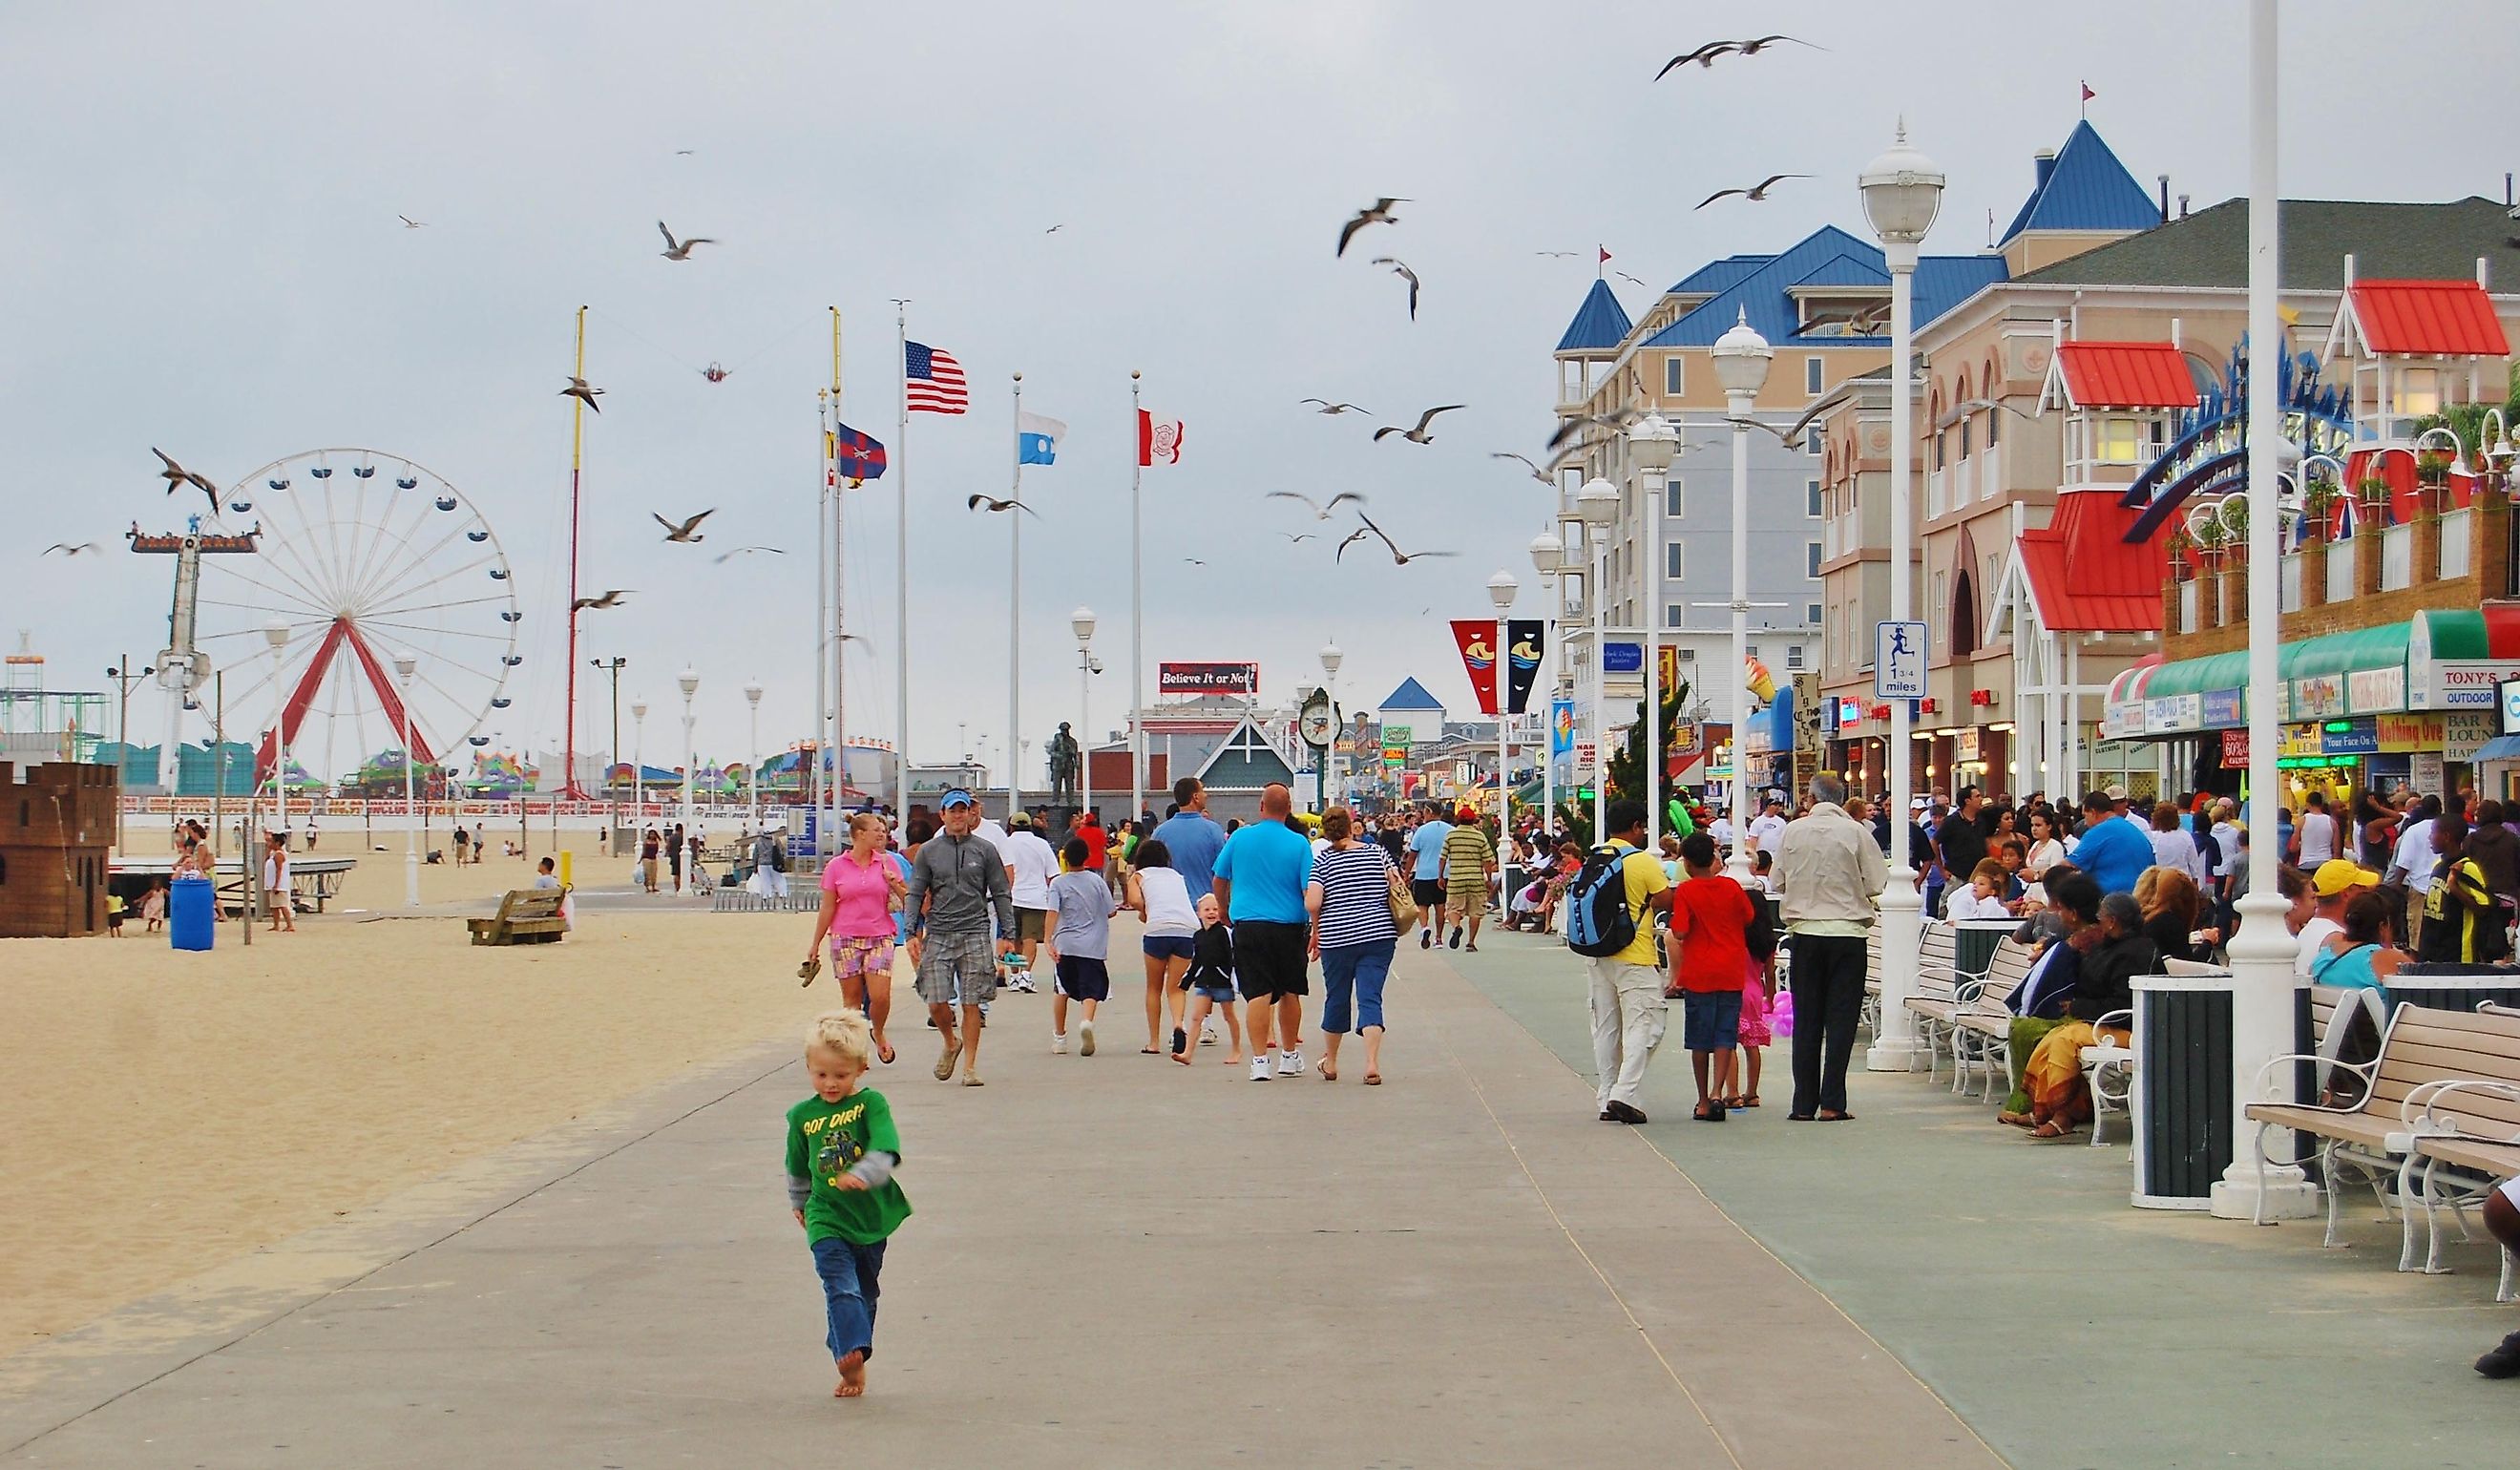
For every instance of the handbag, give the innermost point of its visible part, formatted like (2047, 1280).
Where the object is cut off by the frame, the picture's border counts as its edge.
(1404, 908)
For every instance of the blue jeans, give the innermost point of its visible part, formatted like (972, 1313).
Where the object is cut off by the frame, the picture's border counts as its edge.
(850, 1273)
(1358, 967)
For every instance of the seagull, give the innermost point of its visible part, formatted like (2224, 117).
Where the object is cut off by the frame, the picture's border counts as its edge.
(1294, 539)
(1419, 435)
(410, 223)
(1320, 510)
(1561, 255)
(1054, 229)
(82, 547)
(680, 249)
(1630, 280)
(1353, 537)
(578, 390)
(1754, 47)
(727, 556)
(682, 152)
(1377, 214)
(1194, 561)
(1703, 56)
(1399, 558)
(1538, 474)
(1327, 407)
(1617, 421)
(688, 530)
(995, 506)
(1401, 269)
(1865, 323)
(611, 598)
(176, 475)
(1755, 194)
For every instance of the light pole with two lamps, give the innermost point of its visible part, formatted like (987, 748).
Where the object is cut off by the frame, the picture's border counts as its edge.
(1741, 359)
(639, 761)
(276, 634)
(1597, 503)
(1548, 559)
(1082, 621)
(690, 681)
(1500, 589)
(1331, 658)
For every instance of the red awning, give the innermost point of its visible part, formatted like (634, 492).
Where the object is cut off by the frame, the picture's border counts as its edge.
(2427, 319)
(2125, 375)
(2083, 573)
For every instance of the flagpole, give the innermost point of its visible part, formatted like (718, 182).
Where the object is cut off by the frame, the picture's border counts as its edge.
(1015, 616)
(1137, 615)
(577, 458)
(810, 779)
(901, 578)
(839, 782)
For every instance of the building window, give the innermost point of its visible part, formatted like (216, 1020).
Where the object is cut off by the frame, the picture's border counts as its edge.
(1675, 560)
(1795, 656)
(1673, 502)
(1671, 614)
(1938, 441)
(1812, 504)
(2121, 440)
(1813, 379)
(2418, 391)
(1673, 374)
(1812, 614)
(1748, 649)
(1993, 417)
(1965, 439)
(1813, 444)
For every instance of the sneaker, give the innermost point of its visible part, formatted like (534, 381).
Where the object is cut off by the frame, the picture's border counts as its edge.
(1059, 1044)
(1454, 942)
(1208, 1036)
(1260, 1067)
(972, 1079)
(1290, 1064)
(1022, 985)
(1084, 1037)
(2503, 1361)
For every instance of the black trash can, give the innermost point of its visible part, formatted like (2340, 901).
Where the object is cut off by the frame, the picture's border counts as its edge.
(2182, 1101)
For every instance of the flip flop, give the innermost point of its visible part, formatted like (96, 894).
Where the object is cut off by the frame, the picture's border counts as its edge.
(1374, 1079)
(1328, 1072)
(2050, 1133)
(884, 1055)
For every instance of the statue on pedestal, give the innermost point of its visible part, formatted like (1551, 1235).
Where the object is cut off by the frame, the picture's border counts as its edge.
(1066, 765)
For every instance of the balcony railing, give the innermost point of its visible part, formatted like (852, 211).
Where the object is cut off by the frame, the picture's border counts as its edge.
(2457, 535)
(2288, 584)
(2340, 571)
(2188, 607)
(1990, 473)
(1934, 496)
(2397, 558)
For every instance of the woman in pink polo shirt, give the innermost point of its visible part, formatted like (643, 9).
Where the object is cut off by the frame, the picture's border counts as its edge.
(862, 891)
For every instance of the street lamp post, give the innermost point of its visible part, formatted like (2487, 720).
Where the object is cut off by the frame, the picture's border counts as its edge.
(1331, 658)
(1082, 621)
(752, 697)
(1548, 558)
(406, 663)
(639, 761)
(1653, 444)
(123, 680)
(276, 634)
(1903, 192)
(614, 667)
(1500, 589)
(690, 682)
(1741, 360)
(1598, 503)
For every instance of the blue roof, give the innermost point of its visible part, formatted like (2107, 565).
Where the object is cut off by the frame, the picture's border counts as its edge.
(1410, 695)
(1600, 322)
(1846, 270)
(2086, 188)
(1943, 282)
(1719, 275)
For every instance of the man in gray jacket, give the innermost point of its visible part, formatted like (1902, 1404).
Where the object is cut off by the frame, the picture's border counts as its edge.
(957, 884)
(1831, 873)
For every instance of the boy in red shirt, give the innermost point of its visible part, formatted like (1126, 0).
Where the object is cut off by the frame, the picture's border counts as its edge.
(1710, 921)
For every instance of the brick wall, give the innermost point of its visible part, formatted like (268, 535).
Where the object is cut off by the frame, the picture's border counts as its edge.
(56, 832)
(2488, 578)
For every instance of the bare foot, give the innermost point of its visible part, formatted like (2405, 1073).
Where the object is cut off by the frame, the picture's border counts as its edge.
(852, 1377)
(1234, 1060)
(1183, 1058)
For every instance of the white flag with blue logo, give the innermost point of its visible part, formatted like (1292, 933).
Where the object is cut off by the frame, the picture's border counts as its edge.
(1037, 439)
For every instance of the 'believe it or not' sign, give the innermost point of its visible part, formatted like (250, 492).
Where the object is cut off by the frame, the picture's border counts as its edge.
(1207, 679)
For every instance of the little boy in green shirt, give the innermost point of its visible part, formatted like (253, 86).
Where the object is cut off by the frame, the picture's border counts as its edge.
(841, 1151)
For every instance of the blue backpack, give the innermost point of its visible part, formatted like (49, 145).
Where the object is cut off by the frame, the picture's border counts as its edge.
(1599, 921)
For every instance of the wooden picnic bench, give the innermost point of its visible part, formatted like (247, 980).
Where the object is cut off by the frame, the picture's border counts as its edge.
(527, 916)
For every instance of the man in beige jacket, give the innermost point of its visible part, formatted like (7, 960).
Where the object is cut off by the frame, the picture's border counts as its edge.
(1831, 873)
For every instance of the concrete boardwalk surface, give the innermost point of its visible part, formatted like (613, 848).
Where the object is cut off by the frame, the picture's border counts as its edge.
(1115, 1260)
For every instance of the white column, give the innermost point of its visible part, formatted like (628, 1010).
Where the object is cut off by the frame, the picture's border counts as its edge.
(2262, 981)
(1137, 621)
(1014, 615)
(1650, 483)
(1739, 864)
(405, 665)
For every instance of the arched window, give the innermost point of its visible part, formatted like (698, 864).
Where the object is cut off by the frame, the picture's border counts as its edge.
(1964, 611)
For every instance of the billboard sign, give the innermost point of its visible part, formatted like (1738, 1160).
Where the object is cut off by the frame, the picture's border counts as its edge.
(1207, 679)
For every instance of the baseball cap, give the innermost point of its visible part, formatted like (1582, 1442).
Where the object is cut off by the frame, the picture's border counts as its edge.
(956, 797)
(2115, 793)
(2337, 875)
(1467, 814)
(1020, 819)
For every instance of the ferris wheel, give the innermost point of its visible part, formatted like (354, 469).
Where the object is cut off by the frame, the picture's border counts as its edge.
(363, 557)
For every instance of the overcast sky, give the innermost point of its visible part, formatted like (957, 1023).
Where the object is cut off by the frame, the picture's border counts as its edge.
(205, 257)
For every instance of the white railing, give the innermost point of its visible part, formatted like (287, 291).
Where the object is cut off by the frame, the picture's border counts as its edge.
(2289, 585)
(1990, 473)
(2457, 532)
(2188, 607)
(1933, 493)
(2340, 570)
(2397, 558)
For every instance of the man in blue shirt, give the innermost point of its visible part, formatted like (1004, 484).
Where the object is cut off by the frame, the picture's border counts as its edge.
(1193, 837)
(1260, 879)
(2114, 851)
(1427, 876)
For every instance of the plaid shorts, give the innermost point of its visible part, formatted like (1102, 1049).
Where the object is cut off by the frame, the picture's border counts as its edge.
(852, 956)
(958, 969)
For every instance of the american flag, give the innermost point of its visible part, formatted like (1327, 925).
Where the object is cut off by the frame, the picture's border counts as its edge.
(932, 381)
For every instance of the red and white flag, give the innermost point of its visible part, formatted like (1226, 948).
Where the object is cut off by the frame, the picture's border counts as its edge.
(1158, 441)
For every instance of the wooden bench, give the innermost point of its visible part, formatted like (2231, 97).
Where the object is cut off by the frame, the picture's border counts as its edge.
(2467, 1137)
(527, 916)
(1982, 1029)
(1937, 992)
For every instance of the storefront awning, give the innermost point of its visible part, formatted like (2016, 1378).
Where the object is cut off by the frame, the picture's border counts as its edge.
(2499, 748)
(2380, 647)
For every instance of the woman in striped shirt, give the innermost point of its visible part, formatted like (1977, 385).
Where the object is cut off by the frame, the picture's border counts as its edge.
(1353, 936)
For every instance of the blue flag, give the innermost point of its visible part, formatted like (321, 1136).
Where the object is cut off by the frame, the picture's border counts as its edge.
(1037, 439)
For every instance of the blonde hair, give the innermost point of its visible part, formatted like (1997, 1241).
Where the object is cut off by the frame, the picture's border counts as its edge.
(859, 822)
(1991, 871)
(844, 1034)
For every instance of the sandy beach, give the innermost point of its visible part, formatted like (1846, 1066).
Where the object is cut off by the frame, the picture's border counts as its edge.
(168, 1111)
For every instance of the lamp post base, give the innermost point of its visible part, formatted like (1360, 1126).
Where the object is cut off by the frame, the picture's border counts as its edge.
(1896, 1046)
(1898, 1054)
(2288, 1194)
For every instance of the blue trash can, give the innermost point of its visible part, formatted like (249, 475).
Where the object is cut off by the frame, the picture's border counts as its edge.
(191, 912)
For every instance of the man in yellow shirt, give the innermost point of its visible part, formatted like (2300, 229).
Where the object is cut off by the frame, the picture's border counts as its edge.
(1627, 987)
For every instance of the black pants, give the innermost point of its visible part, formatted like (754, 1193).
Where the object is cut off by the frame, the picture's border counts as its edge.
(1828, 1000)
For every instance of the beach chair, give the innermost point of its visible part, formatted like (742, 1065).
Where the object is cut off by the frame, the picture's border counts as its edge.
(527, 916)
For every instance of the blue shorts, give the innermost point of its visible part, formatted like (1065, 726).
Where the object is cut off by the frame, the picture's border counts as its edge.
(1167, 946)
(1711, 1019)
(1081, 978)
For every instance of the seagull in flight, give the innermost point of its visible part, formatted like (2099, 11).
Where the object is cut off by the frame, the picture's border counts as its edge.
(1293, 539)
(1630, 280)
(1327, 407)
(1762, 43)
(611, 598)
(578, 390)
(1353, 537)
(688, 530)
(680, 249)
(1377, 214)
(176, 475)
(1617, 421)
(727, 556)
(1054, 229)
(682, 152)
(1399, 558)
(1756, 193)
(1321, 511)
(994, 507)
(410, 223)
(81, 549)
(1417, 435)
(1538, 474)
(1561, 255)
(1704, 56)
(1194, 561)
(1401, 269)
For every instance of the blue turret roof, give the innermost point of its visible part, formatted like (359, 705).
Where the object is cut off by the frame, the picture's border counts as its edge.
(2085, 188)
(1600, 322)
(1409, 695)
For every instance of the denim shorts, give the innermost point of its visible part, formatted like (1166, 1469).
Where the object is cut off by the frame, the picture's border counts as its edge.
(1168, 946)
(1710, 1019)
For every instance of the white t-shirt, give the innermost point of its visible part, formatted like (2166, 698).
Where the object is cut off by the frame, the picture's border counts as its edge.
(2313, 939)
(2317, 832)
(2416, 855)
(1721, 830)
(988, 827)
(1035, 865)
(1169, 914)
(1767, 832)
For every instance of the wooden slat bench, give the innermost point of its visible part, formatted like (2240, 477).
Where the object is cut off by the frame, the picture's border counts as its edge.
(527, 916)
(1937, 992)
(1982, 1029)
(2466, 1133)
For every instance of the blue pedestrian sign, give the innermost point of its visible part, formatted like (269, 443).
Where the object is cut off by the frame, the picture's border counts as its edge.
(1899, 660)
